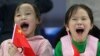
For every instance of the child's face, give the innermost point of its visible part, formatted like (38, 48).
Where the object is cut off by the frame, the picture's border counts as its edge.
(79, 25)
(25, 16)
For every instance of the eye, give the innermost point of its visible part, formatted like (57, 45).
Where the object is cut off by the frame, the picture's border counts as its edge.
(74, 19)
(28, 13)
(18, 15)
(83, 18)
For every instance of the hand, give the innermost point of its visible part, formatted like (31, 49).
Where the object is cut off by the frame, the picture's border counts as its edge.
(11, 49)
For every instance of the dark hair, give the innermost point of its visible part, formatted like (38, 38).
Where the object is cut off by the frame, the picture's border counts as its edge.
(33, 5)
(73, 9)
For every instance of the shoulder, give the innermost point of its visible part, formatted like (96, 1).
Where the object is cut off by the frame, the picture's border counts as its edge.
(98, 50)
(44, 47)
(41, 40)
(36, 38)
(93, 37)
(58, 45)
(5, 42)
(4, 47)
(98, 45)
(45, 42)
(58, 49)
(64, 37)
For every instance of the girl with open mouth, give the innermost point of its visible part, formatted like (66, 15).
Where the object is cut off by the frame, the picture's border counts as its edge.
(28, 18)
(78, 42)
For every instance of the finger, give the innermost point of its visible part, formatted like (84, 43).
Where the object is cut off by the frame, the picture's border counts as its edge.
(11, 46)
(20, 49)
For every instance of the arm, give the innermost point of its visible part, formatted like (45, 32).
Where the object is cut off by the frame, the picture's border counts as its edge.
(58, 50)
(45, 49)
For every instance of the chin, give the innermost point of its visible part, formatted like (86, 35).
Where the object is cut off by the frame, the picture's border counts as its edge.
(82, 40)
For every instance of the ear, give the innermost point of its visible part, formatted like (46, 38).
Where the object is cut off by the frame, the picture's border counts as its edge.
(67, 29)
(92, 26)
(37, 21)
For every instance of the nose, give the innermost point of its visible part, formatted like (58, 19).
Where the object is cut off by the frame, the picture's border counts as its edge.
(79, 22)
(23, 17)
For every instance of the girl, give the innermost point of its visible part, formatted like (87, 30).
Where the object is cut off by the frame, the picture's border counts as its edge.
(78, 42)
(27, 17)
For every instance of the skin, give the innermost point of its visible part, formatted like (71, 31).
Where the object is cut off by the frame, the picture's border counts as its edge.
(25, 14)
(79, 20)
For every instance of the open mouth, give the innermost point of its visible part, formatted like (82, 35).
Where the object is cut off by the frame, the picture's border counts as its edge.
(79, 31)
(24, 26)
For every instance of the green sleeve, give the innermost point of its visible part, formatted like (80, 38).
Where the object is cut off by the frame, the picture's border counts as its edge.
(98, 50)
(58, 49)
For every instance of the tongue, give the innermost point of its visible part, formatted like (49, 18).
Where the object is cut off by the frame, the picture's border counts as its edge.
(79, 34)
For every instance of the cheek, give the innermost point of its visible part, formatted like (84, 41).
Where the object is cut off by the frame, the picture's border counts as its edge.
(88, 25)
(32, 28)
(34, 21)
(71, 26)
(16, 20)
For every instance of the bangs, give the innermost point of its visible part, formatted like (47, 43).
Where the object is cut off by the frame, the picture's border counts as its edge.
(73, 12)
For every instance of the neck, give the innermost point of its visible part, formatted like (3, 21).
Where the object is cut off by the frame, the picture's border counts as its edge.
(30, 35)
(79, 45)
